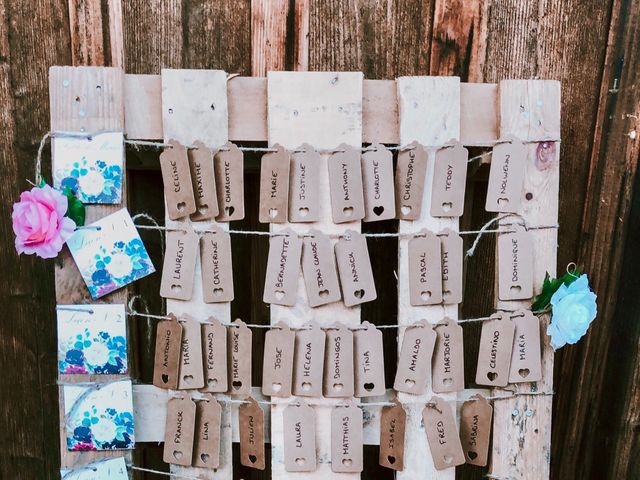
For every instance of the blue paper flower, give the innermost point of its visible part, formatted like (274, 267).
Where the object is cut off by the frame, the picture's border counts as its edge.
(573, 309)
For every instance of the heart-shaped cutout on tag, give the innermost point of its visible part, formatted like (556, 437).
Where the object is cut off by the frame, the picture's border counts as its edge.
(203, 209)
(405, 209)
(358, 293)
(338, 387)
(447, 459)
(492, 376)
(409, 383)
(229, 211)
(391, 459)
(187, 378)
(212, 382)
(472, 455)
(378, 210)
(181, 206)
(306, 386)
(347, 462)
(426, 295)
(253, 458)
(176, 288)
(276, 387)
(204, 457)
(279, 294)
(447, 382)
(347, 211)
(303, 211)
(236, 384)
(503, 201)
(301, 461)
(177, 454)
(524, 372)
(515, 289)
(218, 292)
(165, 378)
(323, 293)
(369, 386)
(273, 212)
(447, 206)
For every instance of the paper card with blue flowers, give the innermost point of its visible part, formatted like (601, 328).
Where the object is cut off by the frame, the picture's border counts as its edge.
(110, 254)
(108, 469)
(90, 167)
(92, 339)
(99, 417)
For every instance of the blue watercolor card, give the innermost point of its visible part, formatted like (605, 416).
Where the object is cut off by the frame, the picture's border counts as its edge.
(108, 469)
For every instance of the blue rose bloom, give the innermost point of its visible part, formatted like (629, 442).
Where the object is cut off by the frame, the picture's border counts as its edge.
(573, 309)
(101, 277)
(82, 434)
(71, 183)
(74, 357)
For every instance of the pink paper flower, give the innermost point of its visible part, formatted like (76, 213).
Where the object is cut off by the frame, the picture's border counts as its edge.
(39, 222)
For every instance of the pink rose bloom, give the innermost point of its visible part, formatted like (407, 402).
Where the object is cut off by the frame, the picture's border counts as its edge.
(39, 222)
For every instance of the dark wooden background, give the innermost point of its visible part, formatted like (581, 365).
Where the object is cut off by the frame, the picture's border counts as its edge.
(592, 46)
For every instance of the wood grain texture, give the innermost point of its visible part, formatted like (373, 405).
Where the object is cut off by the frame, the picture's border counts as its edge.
(268, 35)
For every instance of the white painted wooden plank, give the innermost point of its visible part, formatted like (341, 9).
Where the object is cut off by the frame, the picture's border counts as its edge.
(530, 109)
(323, 109)
(194, 108)
(429, 109)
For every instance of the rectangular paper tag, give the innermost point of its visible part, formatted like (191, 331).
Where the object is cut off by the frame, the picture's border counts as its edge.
(277, 365)
(283, 269)
(251, 420)
(354, 265)
(204, 182)
(214, 347)
(207, 439)
(338, 365)
(274, 186)
(475, 430)
(179, 265)
(526, 361)
(449, 181)
(368, 361)
(179, 431)
(442, 434)
(377, 176)
(308, 361)
(240, 358)
(176, 176)
(411, 172)
(191, 363)
(217, 269)
(515, 264)
(304, 186)
(229, 169)
(425, 269)
(299, 438)
(319, 269)
(506, 177)
(392, 426)
(451, 245)
(166, 367)
(447, 366)
(494, 357)
(414, 362)
(346, 439)
(345, 184)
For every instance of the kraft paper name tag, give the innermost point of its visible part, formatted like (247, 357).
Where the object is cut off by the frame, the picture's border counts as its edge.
(251, 420)
(179, 265)
(176, 176)
(354, 266)
(345, 184)
(179, 431)
(369, 361)
(425, 269)
(166, 365)
(191, 364)
(319, 269)
(515, 264)
(338, 365)
(283, 269)
(411, 172)
(526, 361)
(442, 434)
(308, 361)
(377, 175)
(494, 357)
(449, 181)
(475, 430)
(304, 186)
(214, 346)
(207, 440)
(392, 426)
(204, 182)
(346, 439)
(451, 248)
(447, 366)
(506, 177)
(239, 358)
(277, 365)
(274, 186)
(217, 266)
(414, 362)
(299, 438)
(229, 169)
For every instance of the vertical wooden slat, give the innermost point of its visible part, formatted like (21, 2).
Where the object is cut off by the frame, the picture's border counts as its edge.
(429, 109)
(268, 35)
(318, 98)
(530, 109)
(187, 96)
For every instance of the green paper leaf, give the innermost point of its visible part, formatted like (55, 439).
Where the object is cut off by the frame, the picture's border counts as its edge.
(550, 286)
(75, 208)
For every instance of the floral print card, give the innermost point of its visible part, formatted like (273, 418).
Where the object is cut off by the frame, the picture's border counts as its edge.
(110, 254)
(99, 417)
(92, 339)
(90, 167)
(108, 469)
